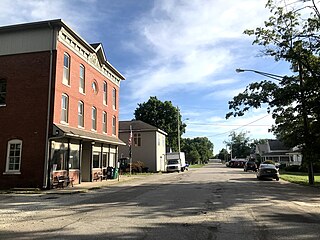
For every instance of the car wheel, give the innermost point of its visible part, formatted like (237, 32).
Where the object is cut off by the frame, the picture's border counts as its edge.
(259, 178)
(277, 178)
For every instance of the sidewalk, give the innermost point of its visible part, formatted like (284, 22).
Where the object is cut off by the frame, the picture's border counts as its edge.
(77, 188)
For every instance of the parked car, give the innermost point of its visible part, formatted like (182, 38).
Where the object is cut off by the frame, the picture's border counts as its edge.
(250, 165)
(236, 163)
(268, 170)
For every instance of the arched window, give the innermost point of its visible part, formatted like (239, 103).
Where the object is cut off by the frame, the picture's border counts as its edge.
(80, 114)
(82, 79)
(114, 125)
(104, 122)
(105, 93)
(66, 69)
(64, 108)
(14, 156)
(114, 98)
(94, 118)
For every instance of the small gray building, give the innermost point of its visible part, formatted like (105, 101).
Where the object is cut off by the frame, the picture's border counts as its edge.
(148, 144)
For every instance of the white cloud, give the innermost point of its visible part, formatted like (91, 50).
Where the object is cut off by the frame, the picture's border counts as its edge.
(191, 42)
(21, 11)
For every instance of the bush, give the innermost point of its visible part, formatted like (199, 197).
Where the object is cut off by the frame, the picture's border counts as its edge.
(269, 162)
(294, 168)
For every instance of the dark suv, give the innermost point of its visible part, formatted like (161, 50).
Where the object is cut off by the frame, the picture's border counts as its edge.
(250, 165)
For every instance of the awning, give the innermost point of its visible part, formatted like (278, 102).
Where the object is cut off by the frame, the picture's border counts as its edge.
(60, 131)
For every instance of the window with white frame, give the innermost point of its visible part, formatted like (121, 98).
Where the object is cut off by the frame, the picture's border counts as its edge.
(94, 118)
(3, 92)
(66, 69)
(80, 114)
(114, 125)
(14, 155)
(82, 79)
(64, 108)
(105, 93)
(137, 139)
(104, 122)
(114, 98)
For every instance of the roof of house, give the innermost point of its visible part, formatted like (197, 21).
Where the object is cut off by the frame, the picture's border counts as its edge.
(137, 125)
(276, 145)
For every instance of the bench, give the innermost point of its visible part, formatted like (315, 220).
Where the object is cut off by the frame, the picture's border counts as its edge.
(62, 181)
(97, 176)
(58, 182)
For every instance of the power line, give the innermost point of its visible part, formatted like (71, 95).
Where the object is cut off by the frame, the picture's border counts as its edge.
(240, 126)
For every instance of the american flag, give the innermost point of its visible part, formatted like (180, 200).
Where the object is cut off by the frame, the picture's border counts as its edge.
(130, 137)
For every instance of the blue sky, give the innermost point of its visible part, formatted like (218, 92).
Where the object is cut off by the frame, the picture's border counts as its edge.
(182, 51)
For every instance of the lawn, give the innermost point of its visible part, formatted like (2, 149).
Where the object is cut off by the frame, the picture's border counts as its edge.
(300, 178)
(196, 166)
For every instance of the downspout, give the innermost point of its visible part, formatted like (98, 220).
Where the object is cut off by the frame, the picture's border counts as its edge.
(48, 141)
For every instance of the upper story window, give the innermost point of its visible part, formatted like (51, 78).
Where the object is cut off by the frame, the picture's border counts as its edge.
(137, 139)
(14, 156)
(80, 114)
(94, 87)
(64, 108)
(82, 79)
(105, 93)
(66, 69)
(114, 125)
(114, 98)
(3, 92)
(104, 122)
(94, 118)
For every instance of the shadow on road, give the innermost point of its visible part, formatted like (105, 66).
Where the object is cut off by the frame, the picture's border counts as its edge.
(152, 201)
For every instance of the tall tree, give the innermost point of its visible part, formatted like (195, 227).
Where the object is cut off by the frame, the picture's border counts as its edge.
(294, 100)
(200, 148)
(239, 145)
(164, 116)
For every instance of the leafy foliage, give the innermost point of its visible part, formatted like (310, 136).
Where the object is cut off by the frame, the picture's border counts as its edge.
(239, 145)
(198, 149)
(162, 115)
(291, 34)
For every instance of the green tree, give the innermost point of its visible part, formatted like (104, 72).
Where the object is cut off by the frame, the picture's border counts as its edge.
(294, 100)
(239, 145)
(164, 116)
(223, 154)
(201, 145)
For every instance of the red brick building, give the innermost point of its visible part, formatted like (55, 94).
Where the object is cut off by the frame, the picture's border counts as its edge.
(59, 106)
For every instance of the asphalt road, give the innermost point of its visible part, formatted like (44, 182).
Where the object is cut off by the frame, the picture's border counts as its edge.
(213, 202)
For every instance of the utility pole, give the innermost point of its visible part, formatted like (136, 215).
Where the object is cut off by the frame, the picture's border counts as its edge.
(178, 124)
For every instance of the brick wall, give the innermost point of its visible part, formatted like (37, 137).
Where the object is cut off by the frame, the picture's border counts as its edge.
(89, 98)
(25, 115)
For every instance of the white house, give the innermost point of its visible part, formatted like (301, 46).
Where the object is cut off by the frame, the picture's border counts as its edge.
(148, 144)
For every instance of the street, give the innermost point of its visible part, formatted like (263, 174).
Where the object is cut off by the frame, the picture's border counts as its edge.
(213, 202)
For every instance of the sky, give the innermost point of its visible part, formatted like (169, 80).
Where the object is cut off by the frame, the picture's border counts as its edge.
(181, 51)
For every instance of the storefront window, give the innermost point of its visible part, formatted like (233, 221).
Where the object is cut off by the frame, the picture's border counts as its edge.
(59, 159)
(96, 160)
(104, 159)
(74, 159)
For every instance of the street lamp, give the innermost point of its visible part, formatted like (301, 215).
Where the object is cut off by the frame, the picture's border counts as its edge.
(269, 75)
(304, 111)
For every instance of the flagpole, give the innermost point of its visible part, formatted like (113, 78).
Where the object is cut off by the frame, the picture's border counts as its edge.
(130, 149)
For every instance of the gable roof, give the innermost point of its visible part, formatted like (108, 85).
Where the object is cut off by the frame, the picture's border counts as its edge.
(276, 145)
(137, 125)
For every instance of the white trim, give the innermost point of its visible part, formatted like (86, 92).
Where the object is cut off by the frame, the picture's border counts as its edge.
(13, 141)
